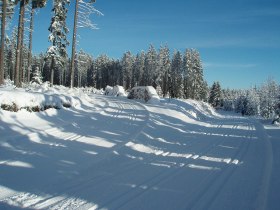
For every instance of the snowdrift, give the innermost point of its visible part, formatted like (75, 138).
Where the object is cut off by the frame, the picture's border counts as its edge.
(144, 93)
(115, 91)
(197, 110)
(35, 98)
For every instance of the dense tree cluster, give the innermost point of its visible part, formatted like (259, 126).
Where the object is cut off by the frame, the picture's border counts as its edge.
(155, 68)
(263, 100)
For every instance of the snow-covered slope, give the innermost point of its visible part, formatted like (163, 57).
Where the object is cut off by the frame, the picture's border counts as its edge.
(114, 153)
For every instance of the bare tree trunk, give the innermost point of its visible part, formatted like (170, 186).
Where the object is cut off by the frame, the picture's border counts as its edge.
(30, 44)
(52, 71)
(74, 44)
(18, 66)
(3, 26)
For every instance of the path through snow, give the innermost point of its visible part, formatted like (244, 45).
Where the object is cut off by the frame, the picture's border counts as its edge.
(115, 153)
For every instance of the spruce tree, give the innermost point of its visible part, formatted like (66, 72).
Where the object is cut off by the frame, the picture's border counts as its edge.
(176, 76)
(164, 69)
(57, 52)
(215, 97)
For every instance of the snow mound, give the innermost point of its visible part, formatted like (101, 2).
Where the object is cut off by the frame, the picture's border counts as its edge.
(144, 93)
(197, 110)
(35, 98)
(115, 91)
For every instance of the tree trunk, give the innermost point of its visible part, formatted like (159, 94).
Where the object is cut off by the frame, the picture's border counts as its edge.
(74, 44)
(52, 71)
(18, 66)
(3, 26)
(30, 44)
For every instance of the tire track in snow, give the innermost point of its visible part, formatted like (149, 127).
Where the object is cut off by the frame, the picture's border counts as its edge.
(57, 201)
(119, 201)
(215, 182)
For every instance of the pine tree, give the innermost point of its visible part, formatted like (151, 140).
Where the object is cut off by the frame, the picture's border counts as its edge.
(215, 97)
(269, 93)
(83, 64)
(37, 76)
(188, 73)
(57, 52)
(139, 66)
(164, 69)
(176, 76)
(149, 74)
(198, 81)
(127, 65)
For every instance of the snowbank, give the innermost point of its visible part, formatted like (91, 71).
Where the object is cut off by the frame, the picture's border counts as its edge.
(144, 93)
(115, 91)
(35, 98)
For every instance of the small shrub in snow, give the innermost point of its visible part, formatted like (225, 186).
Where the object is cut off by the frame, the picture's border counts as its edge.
(12, 108)
(37, 77)
(144, 93)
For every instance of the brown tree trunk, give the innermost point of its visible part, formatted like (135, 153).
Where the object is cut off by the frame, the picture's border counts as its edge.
(30, 44)
(3, 26)
(72, 68)
(52, 71)
(18, 66)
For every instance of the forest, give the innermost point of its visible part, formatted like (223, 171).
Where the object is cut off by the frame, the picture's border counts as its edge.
(173, 74)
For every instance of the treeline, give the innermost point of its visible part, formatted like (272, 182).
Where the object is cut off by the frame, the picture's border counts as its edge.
(179, 75)
(262, 101)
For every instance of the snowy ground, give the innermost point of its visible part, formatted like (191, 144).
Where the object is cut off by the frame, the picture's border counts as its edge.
(115, 153)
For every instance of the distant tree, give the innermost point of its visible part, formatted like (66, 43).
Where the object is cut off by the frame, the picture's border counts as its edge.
(215, 97)
(176, 76)
(252, 102)
(150, 66)
(138, 69)
(127, 65)
(83, 64)
(269, 98)
(163, 67)
(197, 81)
(229, 98)
(187, 66)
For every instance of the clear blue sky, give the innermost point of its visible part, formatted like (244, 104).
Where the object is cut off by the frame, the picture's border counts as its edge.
(239, 41)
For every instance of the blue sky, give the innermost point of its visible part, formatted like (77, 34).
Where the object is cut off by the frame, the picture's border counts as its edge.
(239, 41)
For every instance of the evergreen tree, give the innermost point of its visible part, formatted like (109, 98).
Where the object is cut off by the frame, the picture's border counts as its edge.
(11, 54)
(176, 76)
(57, 52)
(252, 102)
(215, 97)
(37, 76)
(149, 74)
(139, 66)
(197, 81)
(83, 64)
(164, 69)
(269, 93)
(127, 65)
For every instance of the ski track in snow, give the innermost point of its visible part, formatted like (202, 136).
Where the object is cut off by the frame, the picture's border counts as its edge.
(138, 157)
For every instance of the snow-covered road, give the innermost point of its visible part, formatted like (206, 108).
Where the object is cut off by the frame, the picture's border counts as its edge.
(115, 153)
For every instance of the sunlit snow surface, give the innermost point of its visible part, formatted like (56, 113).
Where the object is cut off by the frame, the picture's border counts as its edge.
(113, 153)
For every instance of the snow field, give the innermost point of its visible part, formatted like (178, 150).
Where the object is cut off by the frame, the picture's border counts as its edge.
(115, 153)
